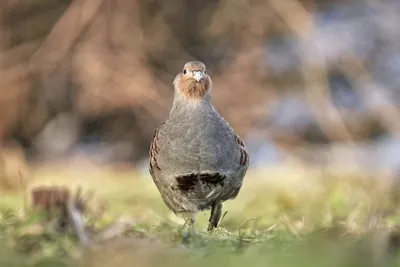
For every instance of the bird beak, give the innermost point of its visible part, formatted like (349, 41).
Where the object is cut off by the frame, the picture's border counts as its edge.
(198, 75)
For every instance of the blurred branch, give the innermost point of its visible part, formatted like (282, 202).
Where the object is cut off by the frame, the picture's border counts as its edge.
(316, 87)
(386, 112)
(65, 32)
(12, 100)
(77, 220)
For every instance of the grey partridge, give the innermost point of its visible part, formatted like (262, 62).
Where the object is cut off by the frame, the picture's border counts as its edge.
(197, 161)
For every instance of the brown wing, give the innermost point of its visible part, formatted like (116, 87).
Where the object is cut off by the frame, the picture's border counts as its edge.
(153, 152)
(244, 156)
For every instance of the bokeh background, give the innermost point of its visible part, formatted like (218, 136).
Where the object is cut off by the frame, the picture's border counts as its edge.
(311, 81)
(308, 84)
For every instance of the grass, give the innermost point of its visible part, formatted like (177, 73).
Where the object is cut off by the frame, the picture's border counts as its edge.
(287, 216)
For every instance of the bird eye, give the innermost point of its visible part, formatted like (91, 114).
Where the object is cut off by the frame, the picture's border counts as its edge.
(205, 72)
(184, 71)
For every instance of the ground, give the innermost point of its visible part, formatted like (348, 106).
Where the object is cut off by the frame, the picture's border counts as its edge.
(284, 216)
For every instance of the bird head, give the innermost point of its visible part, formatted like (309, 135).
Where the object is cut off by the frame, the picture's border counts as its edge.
(193, 82)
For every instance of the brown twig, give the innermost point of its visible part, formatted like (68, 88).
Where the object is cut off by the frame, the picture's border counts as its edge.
(64, 33)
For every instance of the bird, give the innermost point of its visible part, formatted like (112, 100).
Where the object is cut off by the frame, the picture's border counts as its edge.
(196, 159)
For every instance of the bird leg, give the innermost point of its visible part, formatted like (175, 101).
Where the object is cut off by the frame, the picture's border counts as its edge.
(192, 220)
(191, 232)
(216, 211)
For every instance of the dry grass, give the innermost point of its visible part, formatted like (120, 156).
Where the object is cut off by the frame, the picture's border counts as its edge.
(280, 211)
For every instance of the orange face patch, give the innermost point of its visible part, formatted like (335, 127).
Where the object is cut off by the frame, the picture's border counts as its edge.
(191, 88)
(188, 85)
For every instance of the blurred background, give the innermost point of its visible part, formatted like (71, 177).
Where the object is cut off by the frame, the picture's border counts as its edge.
(304, 81)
